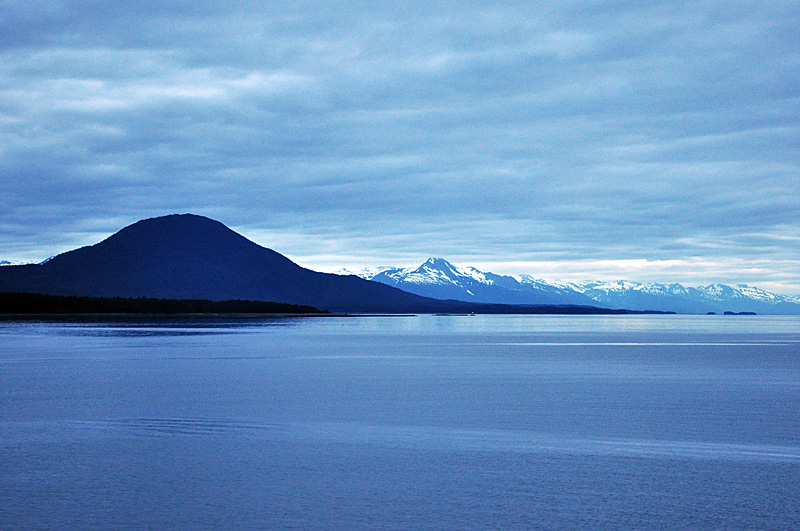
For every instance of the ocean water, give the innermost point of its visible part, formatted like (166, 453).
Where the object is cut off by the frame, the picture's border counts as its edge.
(406, 422)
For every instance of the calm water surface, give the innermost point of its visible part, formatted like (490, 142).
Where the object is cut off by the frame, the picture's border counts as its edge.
(429, 422)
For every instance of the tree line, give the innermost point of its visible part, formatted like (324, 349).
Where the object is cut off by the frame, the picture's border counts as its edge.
(36, 303)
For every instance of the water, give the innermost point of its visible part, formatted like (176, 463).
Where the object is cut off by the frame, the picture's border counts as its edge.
(429, 422)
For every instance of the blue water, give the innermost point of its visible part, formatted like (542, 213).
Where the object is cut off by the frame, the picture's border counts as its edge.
(428, 422)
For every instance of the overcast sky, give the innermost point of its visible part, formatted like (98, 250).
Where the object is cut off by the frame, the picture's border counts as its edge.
(640, 140)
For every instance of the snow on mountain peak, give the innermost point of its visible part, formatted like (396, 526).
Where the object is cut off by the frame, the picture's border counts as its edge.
(438, 271)
(364, 272)
(437, 274)
(21, 262)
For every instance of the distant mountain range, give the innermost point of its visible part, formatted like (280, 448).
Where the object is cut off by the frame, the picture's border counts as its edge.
(194, 257)
(10, 263)
(675, 297)
(438, 278)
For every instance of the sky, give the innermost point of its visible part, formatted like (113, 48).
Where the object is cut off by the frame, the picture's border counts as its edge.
(570, 139)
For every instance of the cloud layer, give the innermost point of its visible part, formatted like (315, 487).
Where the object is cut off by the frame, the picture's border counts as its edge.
(567, 139)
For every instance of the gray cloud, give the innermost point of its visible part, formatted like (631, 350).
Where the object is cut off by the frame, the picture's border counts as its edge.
(553, 134)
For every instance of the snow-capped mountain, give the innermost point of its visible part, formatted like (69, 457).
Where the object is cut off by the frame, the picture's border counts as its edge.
(676, 297)
(440, 279)
(18, 262)
(364, 272)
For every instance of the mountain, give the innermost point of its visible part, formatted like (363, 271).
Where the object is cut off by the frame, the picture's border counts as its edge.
(717, 298)
(10, 263)
(438, 278)
(193, 257)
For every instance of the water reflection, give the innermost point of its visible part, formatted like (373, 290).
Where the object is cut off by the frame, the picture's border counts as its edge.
(148, 326)
(428, 438)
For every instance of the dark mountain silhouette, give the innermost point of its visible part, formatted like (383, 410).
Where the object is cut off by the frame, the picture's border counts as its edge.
(194, 257)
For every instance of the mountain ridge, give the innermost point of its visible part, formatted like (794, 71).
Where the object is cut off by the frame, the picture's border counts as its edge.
(438, 278)
(185, 256)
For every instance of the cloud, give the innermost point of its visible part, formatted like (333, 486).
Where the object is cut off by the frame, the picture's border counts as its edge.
(546, 133)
